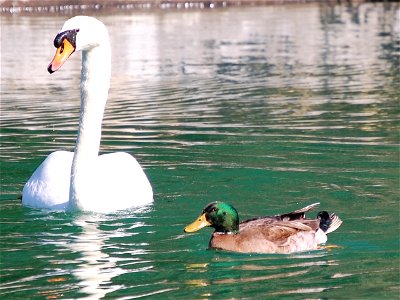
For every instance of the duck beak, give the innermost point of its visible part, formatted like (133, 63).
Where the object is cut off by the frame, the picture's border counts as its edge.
(198, 224)
(62, 54)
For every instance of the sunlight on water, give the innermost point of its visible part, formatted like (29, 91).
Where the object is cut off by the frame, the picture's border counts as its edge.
(97, 268)
(269, 108)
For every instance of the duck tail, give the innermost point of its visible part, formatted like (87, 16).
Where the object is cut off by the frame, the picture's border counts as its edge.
(329, 223)
(335, 223)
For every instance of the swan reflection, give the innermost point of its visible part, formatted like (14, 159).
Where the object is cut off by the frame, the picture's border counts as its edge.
(97, 268)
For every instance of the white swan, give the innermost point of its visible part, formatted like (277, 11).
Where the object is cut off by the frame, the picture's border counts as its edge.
(83, 180)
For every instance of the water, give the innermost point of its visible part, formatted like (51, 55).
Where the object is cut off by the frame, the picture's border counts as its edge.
(268, 108)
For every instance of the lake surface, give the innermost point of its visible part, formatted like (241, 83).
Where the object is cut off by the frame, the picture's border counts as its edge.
(267, 108)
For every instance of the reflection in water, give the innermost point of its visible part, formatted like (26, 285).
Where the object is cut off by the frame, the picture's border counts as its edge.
(302, 291)
(264, 106)
(260, 278)
(97, 268)
(248, 271)
(310, 69)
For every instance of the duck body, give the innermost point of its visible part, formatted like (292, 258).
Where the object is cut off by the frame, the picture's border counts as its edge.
(286, 233)
(83, 179)
(271, 236)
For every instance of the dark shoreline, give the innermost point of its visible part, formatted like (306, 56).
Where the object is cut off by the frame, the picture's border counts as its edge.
(73, 6)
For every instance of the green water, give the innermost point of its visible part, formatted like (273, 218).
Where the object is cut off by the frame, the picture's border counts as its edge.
(268, 108)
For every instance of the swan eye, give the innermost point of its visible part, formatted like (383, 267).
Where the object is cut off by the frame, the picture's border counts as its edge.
(62, 48)
(70, 35)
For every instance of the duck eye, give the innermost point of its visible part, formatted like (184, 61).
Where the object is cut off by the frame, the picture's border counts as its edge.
(224, 213)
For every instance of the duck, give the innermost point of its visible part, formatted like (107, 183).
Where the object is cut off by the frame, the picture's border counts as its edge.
(83, 180)
(281, 234)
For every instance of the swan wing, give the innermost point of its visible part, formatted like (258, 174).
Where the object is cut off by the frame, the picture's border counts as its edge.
(118, 182)
(48, 187)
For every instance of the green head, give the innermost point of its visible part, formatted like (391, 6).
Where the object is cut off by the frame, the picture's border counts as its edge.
(222, 216)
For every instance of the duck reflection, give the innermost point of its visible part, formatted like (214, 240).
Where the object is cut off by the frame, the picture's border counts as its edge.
(254, 269)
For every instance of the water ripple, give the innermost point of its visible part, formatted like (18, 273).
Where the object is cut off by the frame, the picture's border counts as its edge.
(266, 107)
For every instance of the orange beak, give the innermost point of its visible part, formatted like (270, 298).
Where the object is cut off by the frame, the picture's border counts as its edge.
(198, 224)
(62, 54)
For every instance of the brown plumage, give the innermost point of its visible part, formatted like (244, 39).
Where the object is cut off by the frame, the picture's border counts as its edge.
(285, 233)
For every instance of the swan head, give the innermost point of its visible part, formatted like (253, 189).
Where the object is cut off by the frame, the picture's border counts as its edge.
(80, 33)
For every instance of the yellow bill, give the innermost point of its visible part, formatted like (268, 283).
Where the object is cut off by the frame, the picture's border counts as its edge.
(198, 224)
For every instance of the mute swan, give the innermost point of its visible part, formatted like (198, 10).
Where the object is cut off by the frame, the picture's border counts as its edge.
(83, 180)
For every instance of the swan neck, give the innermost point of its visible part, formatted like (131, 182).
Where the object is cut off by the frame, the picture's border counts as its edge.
(95, 81)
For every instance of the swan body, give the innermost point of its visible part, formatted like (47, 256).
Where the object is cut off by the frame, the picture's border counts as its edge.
(83, 179)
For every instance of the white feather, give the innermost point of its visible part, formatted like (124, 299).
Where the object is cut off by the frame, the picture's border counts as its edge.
(83, 180)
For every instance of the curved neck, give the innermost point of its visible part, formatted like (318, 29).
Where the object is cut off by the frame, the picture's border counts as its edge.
(95, 82)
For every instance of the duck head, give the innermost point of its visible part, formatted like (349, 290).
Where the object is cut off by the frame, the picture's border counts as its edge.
(222, 216)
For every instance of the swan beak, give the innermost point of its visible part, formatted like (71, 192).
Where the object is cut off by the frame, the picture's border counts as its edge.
(62, 54)
(198, 224)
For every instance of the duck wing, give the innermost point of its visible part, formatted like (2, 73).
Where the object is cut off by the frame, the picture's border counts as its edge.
(276, 231)
(294, 215)
(298, 214)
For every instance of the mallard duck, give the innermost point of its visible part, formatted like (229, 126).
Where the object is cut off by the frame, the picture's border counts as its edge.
(286, 233)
